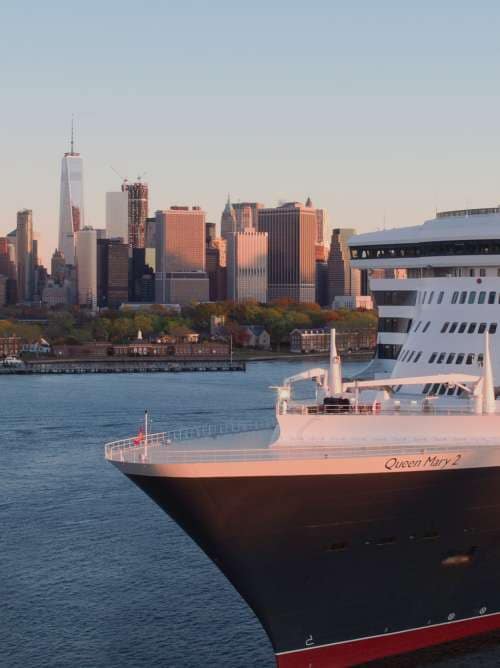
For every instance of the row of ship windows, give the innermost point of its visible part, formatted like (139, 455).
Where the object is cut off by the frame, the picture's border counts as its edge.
(435, 389)
(410, 297)
(443, 358)
(460, 328)
(470, 327)
(462, 297)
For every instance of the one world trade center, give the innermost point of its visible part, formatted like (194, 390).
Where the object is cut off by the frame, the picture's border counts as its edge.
(71, 202)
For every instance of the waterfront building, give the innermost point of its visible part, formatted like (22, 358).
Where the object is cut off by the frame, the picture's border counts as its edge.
(24, 251)
(255, 336)
(138, 206)
(180, 256)
(247, 266)
(112, 272)
(318, 340)
(117, 219)
(291, 270)
(71, 210)
(10, 346)
(343, 279)
(86, 267)
(228, 220)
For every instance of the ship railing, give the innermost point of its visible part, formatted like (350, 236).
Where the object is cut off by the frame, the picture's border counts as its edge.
(407, 409)
(116, 449)
(343, 448)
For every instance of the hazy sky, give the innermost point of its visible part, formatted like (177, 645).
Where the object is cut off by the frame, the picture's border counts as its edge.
(373, 108)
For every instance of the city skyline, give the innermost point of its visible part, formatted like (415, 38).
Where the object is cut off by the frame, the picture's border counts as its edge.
(382, 115)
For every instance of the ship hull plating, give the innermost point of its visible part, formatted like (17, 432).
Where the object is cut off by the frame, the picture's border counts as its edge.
(341, 569)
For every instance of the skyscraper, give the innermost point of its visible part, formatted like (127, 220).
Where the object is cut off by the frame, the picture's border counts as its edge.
(71, 214)
(228, 220)
(112, 272)
(343, 280)
(138, 204)
(321, 221)
(117, 215)
(247, 266)
(24, 248)
(86, 267)
(246, 215)
(180, 255)
(291, 262)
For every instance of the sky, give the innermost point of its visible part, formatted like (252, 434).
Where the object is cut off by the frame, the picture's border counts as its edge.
(382, 112)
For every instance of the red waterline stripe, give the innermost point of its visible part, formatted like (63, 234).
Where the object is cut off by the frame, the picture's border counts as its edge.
(354, 652)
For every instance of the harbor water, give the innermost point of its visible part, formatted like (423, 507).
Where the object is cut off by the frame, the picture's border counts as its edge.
(93, 573)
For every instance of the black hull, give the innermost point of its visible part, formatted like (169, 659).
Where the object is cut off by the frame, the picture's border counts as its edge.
(329, 559)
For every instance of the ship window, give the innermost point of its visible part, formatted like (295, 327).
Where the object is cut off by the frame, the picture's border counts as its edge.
(411, 355)
(451, 390)
(460, 358)
(463, 297)
(441, 357)
(482, 297)
(454, 298)
(472, 272)
(444, 327)
(431, 297)
(472, 297)
(480, 359)
(492, 297)
(442, 389)
(472, 328)
(435, 388)
(493, 328)
(417, 358)
(482, 272)
(470, 358)
(424, 296)
(337, 547)
(459, 391)
(426, 327)
(462, 328)
(450, 358)
(482, 328)
(432, 358)
(453, 327)
(440, 297)
(417, 326)
(427, 387)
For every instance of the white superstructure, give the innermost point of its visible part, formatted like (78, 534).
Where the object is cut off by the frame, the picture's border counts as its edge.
(437, 289)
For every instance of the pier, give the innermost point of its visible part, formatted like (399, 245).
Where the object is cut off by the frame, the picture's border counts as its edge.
(121, 366)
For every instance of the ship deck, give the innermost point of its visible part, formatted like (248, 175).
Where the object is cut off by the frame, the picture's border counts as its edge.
(252, 443)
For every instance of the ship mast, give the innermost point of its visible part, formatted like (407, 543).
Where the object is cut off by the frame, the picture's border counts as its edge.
(335, 368)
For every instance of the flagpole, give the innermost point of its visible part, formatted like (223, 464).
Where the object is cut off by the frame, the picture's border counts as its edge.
(146, 433)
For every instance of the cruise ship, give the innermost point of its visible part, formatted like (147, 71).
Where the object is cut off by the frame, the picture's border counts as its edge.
(437, 289)
(363, 523)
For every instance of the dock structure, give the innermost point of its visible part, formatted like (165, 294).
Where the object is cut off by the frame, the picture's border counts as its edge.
(121, 366)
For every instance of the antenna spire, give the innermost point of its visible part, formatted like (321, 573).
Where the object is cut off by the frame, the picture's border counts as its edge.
(72, 134)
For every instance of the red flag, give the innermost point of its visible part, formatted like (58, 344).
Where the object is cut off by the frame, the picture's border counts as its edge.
(139, 438)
